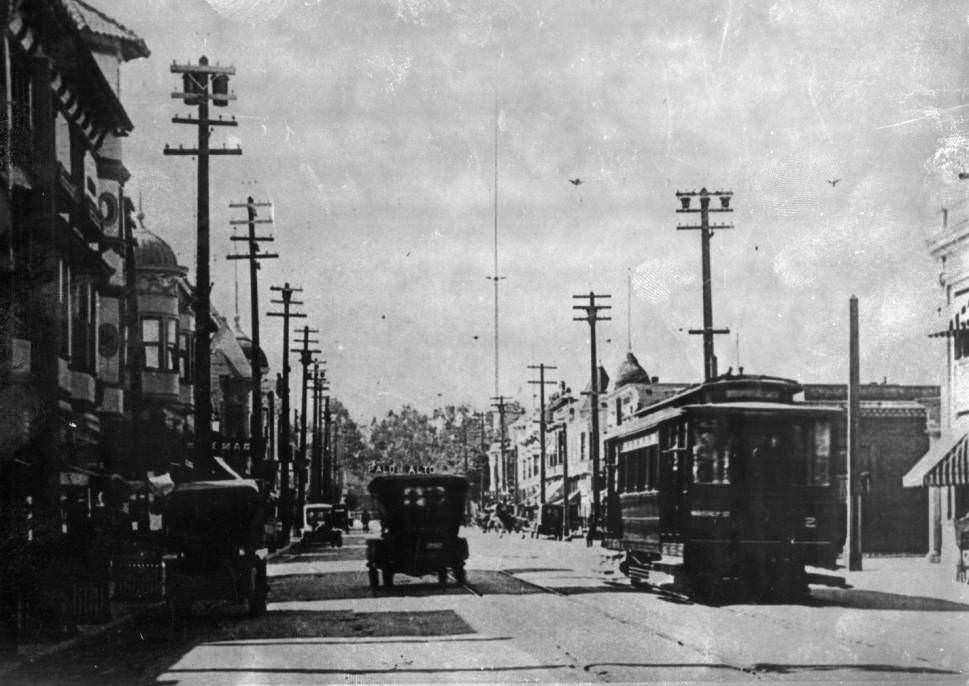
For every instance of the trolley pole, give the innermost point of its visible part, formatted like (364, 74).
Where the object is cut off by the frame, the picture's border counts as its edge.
(706, 233)
(592, 310)
(306, 360)
(285, 447)
(201, 83)
(257, 440)
(853, 542)
(542, 427)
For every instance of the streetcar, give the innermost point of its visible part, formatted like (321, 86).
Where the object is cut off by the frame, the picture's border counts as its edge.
(730, 486)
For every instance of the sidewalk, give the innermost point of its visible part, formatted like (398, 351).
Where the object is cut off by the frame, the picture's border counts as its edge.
(122, 612)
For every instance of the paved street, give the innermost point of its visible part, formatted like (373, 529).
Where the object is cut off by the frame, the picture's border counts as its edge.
(533, 610)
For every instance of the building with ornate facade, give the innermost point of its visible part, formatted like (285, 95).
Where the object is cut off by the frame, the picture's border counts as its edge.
(62, 257)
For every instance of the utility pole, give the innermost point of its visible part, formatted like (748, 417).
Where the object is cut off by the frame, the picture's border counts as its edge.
(306, 360)
(706, 233)
(196, 91)
(853, 542)
(499, 402)
(482, 468)
(257, 441)
(541, 424)
(316, 457)
(592, 310)
(285, 449)
(329, 454)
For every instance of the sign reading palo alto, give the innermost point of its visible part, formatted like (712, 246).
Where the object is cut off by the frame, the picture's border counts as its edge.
(397, 468)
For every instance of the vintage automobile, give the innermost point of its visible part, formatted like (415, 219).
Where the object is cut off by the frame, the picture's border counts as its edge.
(215, 545)
(341, 517)
(420, 515)
(552, 520)
(319, 527)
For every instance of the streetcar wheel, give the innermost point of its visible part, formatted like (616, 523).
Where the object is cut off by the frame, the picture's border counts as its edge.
(374, 577)
(442, 577)
(388, 577)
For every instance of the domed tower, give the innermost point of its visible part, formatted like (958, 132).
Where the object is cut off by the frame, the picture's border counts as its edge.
(630, 372)
(161, 351)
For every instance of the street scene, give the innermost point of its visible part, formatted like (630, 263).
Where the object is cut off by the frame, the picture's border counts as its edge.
(393, 341)
(325, 624)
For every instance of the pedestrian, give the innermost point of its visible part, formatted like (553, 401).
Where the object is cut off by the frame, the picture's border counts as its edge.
(365, 519)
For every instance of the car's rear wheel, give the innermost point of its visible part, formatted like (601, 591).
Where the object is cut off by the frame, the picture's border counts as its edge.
(460, 575)
(374, 577)
(388, 577)
(442, 577)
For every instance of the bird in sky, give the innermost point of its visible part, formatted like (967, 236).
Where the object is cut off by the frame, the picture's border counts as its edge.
(475, 337)
(576, 181)
(833, 182)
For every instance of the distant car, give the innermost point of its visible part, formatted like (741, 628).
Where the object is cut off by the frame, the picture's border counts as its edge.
(341, 517)
(420, 516)
(318, 525)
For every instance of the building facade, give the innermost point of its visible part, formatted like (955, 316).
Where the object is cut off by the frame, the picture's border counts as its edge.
(62, 382)
(943, 471)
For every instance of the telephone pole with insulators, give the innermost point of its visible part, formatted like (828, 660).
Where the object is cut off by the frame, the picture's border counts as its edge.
(542, 382)
(285, 448)
(257, 440)
(316, 455)
(592, 316)
(706, 230)
(306, 360)
(202, 83)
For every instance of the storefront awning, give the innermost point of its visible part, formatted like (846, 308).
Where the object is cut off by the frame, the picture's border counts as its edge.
(945, 464)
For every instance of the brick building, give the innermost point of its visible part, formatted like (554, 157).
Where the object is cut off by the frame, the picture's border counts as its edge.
(895, 427)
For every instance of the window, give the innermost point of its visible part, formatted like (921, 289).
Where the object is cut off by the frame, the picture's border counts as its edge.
(712, 453)
(160, 341)
(618, 411)
(582, 446)
(960, 344)
(186, 357)
(64, 296)
(171, 344)
(21, 125)
(151, 341)
(83, 324)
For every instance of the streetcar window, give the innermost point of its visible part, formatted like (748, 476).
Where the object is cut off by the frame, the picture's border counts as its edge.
(820, 474)
(712, 453)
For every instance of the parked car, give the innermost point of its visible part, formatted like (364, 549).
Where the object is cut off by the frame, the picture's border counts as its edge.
(215, 545)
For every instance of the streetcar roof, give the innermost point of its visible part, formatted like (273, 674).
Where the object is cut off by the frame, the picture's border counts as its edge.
(759, 406)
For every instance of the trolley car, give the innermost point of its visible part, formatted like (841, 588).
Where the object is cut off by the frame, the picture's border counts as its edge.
(730, 486)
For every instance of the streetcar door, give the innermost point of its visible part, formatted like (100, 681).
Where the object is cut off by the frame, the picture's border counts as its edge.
(673, 507)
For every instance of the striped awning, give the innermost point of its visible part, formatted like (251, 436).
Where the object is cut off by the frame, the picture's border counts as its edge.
(945, 464)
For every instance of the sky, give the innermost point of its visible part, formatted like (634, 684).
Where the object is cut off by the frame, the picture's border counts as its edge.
(371, 127)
